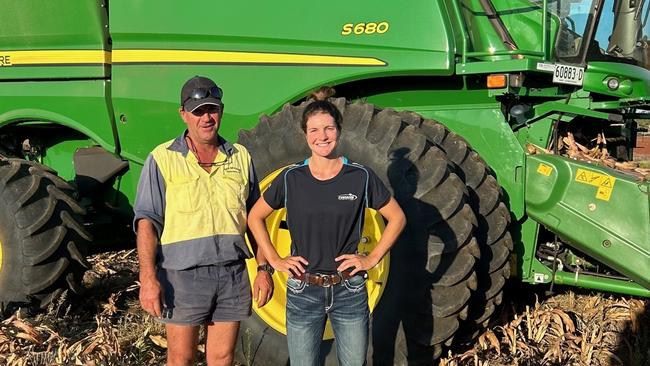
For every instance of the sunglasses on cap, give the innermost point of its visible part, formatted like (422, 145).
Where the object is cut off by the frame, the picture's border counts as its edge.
(201, 93)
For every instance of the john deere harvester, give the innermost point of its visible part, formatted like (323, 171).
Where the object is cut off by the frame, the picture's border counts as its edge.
(504, 128)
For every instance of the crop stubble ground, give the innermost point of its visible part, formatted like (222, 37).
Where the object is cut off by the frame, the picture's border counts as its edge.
(107, 327)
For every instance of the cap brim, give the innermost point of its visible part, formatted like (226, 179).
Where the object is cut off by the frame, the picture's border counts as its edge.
(192, 105)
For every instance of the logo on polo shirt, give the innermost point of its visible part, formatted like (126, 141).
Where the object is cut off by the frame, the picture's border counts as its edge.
(347, 197)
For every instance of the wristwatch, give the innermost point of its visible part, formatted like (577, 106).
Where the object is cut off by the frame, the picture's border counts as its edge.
(266, 267)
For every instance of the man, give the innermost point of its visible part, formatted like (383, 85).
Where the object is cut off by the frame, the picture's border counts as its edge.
(190, 218)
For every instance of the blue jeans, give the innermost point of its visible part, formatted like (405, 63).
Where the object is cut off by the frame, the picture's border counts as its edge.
(308, 307)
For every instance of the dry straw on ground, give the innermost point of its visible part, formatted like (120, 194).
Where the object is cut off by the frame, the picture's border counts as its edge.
(567, 329)
(107, 327)
(104, 327)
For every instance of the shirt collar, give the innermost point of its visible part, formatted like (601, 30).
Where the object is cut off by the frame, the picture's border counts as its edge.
(180, 145)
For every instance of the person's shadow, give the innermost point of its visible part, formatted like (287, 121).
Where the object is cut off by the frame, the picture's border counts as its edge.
(634, 342)
(406, 300)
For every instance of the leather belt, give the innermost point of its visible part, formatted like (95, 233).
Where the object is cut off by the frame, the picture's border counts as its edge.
(327, 280)
(323, 280)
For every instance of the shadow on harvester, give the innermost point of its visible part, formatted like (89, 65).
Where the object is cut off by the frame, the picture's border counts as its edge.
(403, 316)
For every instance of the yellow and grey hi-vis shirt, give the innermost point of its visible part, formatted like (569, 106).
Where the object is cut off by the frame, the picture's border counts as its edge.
(200, 217)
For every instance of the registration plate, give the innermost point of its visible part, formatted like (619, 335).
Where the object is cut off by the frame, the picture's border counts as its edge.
(566, 74)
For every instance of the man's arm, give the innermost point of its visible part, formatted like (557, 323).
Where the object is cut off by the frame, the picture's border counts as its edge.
(150, 290)
(148, 224)
(263, 284)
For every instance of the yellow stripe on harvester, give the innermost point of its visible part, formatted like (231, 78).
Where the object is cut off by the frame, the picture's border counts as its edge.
(55, 57)
(88, 57)
(232, 57)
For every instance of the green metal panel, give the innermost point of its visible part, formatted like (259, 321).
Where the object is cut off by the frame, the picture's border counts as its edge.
(634, 81)
(146, 99)
(122, 196)
(80, 105)
(538, 133)
(601, 212)
(145, 90)
(520, 17)
(33, 31)
(417, 32)
(524, 235)
(59, 155)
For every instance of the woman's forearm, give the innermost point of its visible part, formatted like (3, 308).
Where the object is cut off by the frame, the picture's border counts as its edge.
(258, 227)
(396, 222)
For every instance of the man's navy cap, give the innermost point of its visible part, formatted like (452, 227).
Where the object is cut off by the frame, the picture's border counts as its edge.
(200, 91)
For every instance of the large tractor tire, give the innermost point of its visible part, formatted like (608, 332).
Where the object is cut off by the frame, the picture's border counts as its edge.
(433, 288)
(486, 199)
(41, 237)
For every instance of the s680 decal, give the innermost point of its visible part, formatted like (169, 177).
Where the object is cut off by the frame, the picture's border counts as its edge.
(364, 28)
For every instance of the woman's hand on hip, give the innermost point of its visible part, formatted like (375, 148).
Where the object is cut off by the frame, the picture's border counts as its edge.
(356, 262)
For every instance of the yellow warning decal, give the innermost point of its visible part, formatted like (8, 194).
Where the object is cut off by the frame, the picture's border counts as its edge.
(604, 182)
(544, 169)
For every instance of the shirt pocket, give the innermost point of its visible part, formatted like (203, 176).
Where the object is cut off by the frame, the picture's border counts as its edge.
(234, 188)
(184, 196)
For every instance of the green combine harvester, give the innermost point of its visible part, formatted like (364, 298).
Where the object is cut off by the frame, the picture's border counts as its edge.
(462, 107)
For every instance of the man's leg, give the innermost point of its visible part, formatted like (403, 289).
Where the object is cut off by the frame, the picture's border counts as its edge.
(233, 304)
(181, 344)
(188, 301)
(220, 345)
(349, 318)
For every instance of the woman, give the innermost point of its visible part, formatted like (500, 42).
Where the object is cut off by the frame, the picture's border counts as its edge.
(325, 197)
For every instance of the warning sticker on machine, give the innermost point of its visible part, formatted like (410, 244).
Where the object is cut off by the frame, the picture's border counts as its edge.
(545, 169)
(604, 182)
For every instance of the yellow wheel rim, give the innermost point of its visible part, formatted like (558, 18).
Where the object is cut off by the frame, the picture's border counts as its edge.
(274, 312)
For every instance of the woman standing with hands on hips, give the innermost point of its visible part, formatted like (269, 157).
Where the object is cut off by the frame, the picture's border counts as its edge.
(325, 197)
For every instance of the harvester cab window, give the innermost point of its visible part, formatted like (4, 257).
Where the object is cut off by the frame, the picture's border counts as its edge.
(574, 16)
(623, 30)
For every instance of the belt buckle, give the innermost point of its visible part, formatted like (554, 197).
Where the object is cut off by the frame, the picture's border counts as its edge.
(327, 280)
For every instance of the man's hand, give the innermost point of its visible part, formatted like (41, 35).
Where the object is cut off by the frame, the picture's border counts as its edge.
(151, 296)
(290, 265)
(262, 288)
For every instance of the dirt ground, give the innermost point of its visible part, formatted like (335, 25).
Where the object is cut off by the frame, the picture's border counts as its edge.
(107, 327)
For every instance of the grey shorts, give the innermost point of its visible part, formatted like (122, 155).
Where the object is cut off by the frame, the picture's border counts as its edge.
(199, 295)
